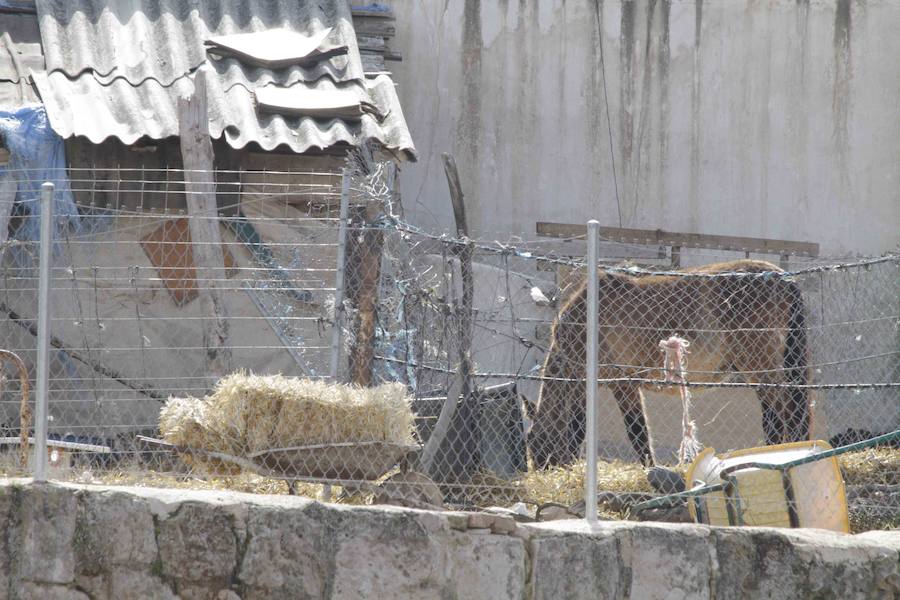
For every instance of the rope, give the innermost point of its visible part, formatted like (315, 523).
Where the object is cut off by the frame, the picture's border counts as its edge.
(675, 367)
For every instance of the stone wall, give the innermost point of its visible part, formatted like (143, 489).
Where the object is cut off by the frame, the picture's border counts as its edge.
(80, 542)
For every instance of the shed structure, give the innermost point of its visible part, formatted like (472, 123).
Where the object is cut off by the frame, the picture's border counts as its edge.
(288, 96)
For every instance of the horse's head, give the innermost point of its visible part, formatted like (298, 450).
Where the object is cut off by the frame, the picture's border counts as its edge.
(538, 440)
(558, 416)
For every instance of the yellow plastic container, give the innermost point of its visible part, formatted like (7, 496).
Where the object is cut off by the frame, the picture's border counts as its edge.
(807, 495)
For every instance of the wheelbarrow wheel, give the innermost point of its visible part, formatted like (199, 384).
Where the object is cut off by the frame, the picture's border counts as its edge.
(409, 488)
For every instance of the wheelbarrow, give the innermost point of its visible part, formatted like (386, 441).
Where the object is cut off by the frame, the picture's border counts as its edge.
(787, 485)
(351, 465)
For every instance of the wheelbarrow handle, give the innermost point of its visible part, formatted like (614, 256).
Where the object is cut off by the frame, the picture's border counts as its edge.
(875, 441)
(229, 458)
(670, 500)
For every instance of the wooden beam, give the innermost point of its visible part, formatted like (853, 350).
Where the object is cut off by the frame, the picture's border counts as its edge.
(676, 257)
(363, 265)
(374, 27)
(656, 237)
(138, 386)
(459, 408)
(456, 195)
(206, 238)
(9, 186)
(360, 12)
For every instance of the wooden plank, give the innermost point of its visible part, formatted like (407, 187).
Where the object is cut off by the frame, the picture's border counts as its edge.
(374, 27)
(99, 368)
(360, 13)
(373, 43)
(460, 397)
(206, 237)
(456, 195)
(684, 240)
(9, 186)
(676, 257)
(372, 62)
(169, 249)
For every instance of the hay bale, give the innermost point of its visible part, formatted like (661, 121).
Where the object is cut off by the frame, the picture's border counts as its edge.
(181, 422)
(252, 413)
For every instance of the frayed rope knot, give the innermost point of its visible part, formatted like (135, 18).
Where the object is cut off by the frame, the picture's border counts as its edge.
(675, 350)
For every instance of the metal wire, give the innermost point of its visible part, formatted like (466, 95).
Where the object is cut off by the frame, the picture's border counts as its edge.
(128, 333)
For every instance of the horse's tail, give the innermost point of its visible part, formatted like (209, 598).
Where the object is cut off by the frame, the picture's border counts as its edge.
(796, 364)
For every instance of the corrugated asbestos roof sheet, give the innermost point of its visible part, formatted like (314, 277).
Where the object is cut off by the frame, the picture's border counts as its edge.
(20, 53)
(163, 39)
(117, 69)
(84, 107)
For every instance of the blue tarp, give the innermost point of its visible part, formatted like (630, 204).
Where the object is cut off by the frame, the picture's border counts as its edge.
(374, 8)
(18, 6)
(37, 154)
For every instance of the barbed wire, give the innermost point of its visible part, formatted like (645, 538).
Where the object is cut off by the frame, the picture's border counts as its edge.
(504, 249)
(658, 382)
(121, 324)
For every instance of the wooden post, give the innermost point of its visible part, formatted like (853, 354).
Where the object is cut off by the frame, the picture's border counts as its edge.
(9, 186)
(468, 279)
(676, 257)
(461, 389)
(364, 271)
(206, 238)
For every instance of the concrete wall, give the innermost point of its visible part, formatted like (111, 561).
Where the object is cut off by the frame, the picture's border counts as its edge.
(770, 119)
(89, 542)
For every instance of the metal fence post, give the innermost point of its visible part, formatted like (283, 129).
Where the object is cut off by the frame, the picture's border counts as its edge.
(590, 480)
(339, 277)
(43, 331)
(339, 292)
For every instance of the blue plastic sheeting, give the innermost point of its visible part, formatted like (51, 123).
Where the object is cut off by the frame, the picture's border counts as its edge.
(373, 7)
(26, 6)
(37, 154)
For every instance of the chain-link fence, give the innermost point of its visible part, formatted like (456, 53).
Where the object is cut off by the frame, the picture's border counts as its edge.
(147, 302)
(169, 340)
(729, 353)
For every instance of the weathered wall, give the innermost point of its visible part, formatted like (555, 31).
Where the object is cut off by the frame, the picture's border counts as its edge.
(88, 542)
(772, 119)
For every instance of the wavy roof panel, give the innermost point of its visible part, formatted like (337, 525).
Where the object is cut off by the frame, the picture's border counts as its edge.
(163, 39)
(88, 108)
(116, 68)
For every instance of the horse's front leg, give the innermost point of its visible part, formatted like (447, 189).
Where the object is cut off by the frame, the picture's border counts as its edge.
(631, 404)
(785, 414)
(773, 428)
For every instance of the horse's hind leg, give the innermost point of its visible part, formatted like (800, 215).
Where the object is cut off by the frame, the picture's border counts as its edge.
(631, 404)
(785, 415)
(577, 430)
(796, 414)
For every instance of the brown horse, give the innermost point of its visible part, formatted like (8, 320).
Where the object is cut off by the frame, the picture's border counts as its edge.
(742, 319)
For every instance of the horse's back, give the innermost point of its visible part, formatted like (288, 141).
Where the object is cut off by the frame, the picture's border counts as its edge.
(726, 320)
